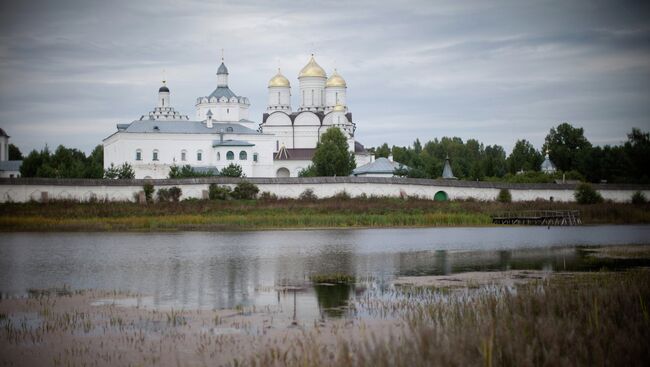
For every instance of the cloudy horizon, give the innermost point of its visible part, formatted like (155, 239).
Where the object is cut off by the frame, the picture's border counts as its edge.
(71, 70)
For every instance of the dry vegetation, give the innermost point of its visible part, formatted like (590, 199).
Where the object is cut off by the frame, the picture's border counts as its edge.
(286, 213)
(579, 319)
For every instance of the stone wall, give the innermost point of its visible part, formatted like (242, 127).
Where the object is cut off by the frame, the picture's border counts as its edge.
(26, 189)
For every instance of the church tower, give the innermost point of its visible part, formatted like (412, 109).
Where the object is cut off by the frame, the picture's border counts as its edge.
(279, 94)
(163, 95)
(312, 87)
(335, 90)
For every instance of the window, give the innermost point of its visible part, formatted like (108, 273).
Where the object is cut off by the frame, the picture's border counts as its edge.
(227, 110)
(255, 157)
(183, 155)
(229, 129)
(199, 155)
(243, 156)
(312, 97)
(230, 155)
(138, 155)
(337, 98)
(218, 156)
(155, 155)
(277, 145)
(278, 98)
(303, 97)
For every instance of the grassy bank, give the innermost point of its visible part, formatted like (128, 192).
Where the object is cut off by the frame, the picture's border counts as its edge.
(572, 320)
(276, 214)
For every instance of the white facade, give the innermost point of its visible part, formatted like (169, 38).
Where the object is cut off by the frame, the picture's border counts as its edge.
(8, 169)
(322, 105)
(222, 134)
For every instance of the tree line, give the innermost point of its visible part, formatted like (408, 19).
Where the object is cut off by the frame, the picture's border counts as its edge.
(573, 155)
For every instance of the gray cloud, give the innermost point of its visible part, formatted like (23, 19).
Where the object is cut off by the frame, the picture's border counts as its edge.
(496, 71)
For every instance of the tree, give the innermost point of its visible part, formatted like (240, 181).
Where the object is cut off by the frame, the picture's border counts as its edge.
(567, 147)
(332, 156)
(382, 151)
(232, 170)
(95, 163)
(14, 153)
(310, 171)
(187, 171)
(637, 149)
(494, 161)
(524, 157)
(125, 171)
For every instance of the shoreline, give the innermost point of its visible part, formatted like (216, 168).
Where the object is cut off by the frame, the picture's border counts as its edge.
(255, 215)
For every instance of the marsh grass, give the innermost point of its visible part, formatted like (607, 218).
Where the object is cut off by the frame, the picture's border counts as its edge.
(584, 320)
(286, 213)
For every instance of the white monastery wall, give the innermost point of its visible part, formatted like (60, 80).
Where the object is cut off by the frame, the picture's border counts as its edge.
(22, 190)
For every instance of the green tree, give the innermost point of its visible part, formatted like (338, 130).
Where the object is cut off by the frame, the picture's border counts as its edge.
(637, 149)
(232, 170)
(382, 151)
(568, 147)
(332, 156)
(34, 161)
(125, 171)
(14, 153)
(95, 163)
(524, 157)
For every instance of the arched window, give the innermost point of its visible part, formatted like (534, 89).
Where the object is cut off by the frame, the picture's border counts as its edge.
(243, 156)
(312, 97)
(199, 155)
(230, 155)
(278, 98)
(183, 155)
(303, 97)
(256, 157)
(337, 98)
(218, 156)
(229, 129)
(155, 155)
(138, 155)
(227, 110)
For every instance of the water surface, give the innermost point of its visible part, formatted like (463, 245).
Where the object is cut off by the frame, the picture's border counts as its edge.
(226, 270)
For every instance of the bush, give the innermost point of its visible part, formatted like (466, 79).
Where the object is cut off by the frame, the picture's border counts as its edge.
(308, 195)
(175, 193)
(342, 195)
(217, 192)
(232, 170)
(586, 194)
(245, 191)
(148, 192)
(639, 198)
(268, 196)
(504, 196)
(163, 195)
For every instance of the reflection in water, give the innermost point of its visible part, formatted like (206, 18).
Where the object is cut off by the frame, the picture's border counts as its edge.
(333, 298)
(226, 270)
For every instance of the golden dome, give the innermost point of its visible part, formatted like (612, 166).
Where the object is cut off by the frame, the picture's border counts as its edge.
(279, 80)
(312, 69)
(336, 80)
(339, 108)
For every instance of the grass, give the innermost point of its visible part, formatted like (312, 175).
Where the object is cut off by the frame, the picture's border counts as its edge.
(286, 213)
(583, 320)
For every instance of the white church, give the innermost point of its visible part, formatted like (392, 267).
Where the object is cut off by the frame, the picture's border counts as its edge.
(221, 134)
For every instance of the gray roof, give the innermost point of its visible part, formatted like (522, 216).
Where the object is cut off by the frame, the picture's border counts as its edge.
(10, 165)
(3, 133)
(232, 143)
(222, 69)
(547, 165)
(222, 92)
(380, 165)
(447, 172)
(185, 127)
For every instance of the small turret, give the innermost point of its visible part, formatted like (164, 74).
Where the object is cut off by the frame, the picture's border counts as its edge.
(222, 75)
(163, 95)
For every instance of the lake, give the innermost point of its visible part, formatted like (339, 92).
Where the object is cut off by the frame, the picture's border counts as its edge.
(229, 269)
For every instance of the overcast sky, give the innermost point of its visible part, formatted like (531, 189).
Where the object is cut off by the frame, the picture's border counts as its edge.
(495, 71)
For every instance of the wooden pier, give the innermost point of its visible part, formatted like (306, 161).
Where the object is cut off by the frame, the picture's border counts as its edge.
(539, 218)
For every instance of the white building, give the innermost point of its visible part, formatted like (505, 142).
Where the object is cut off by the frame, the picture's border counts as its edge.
(322, 105)
(222, 134)
(7, 168)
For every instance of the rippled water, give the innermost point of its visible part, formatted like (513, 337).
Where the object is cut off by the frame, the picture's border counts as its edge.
(224, 270)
